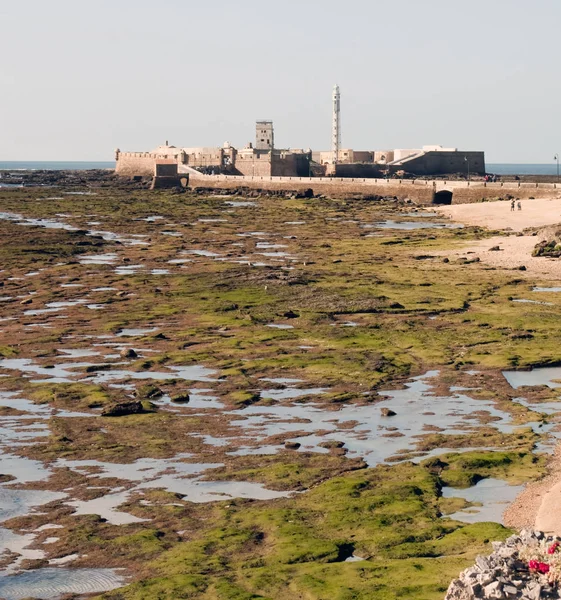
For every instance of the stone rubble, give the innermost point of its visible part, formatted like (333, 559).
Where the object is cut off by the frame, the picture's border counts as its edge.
(503, 575)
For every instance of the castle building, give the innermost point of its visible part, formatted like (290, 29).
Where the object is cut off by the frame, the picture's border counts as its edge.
(261, 159)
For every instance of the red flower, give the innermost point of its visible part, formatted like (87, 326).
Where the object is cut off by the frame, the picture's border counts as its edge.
(534, 565)
(543, 568)
(553, 548)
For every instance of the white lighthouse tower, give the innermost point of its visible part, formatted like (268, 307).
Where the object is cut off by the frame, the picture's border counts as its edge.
(336, 128)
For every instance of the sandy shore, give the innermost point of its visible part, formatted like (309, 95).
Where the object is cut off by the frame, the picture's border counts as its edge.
(539, 505)
(515, 250)
(497, 215)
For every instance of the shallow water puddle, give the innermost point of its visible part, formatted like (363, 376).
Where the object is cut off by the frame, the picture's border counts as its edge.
(171, 475)
(547, 289)
(57, 374)
(106, 508)
(18, 503)
(18, 544)
(136, 332)
(525, 301)
(201, 253)
(493, 494)
(97, 259)
(65, 304)
(50, 583)
(240, 204)
(52, 224)
(550, 376)
(371, 436)
(410, 225)
(190, 373)
(267, 245)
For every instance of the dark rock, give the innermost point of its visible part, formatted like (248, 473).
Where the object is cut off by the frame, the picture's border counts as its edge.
(331, 444)
(128, 353)
(181, 398)
(292, 445)
(149, 391)
(123, 408)
(387, 412)
(290, 314)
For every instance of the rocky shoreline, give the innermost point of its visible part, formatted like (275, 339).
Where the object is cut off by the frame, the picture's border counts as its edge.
(505, 574)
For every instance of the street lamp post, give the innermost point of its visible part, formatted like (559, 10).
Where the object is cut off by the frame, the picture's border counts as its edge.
(556, 157)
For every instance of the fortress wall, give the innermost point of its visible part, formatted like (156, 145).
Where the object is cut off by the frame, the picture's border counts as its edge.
(478, 192)
(132, 164)
(445, 162)
(320, 185)
(417, 190)
(258, 166)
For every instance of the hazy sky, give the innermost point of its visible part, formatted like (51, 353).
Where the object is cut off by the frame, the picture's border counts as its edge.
(79, 79)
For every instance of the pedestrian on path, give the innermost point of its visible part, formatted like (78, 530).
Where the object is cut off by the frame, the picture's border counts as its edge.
(512, 204)
(519, 204)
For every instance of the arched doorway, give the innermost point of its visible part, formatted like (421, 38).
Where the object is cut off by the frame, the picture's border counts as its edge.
(442, 197)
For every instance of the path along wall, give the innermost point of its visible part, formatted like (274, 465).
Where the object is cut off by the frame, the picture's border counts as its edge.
(418, 190)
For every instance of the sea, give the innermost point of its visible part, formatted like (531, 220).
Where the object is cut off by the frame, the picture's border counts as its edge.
(61, 165)
(57, 165)
(522, 169)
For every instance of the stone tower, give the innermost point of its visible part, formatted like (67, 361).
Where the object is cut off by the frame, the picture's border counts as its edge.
(336, 125)
(264, 135)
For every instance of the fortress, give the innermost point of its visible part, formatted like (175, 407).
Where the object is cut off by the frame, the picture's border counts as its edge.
(262, 159)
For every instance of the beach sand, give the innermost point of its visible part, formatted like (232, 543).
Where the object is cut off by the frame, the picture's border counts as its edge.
(539, 505)
(497, 215)
(515, 250)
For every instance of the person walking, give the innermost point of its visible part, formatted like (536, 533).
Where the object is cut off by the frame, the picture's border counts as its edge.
(519, 204)
(512, 205)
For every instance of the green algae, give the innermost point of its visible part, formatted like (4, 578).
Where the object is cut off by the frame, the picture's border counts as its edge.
(413, 313)
(387, 515)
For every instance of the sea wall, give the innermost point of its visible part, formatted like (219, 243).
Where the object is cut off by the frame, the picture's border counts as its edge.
(420, 191)
(136, 164)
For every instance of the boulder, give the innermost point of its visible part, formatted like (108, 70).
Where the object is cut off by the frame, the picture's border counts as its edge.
(128, 353)
(181, 398)
(133, 407)
(387, 412)
(292, 445)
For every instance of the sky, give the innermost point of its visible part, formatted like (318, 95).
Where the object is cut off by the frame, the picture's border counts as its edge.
(81, 78)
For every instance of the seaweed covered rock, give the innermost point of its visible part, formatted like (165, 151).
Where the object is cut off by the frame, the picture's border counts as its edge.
(547, 248)
(121, 409)
(180, 398)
